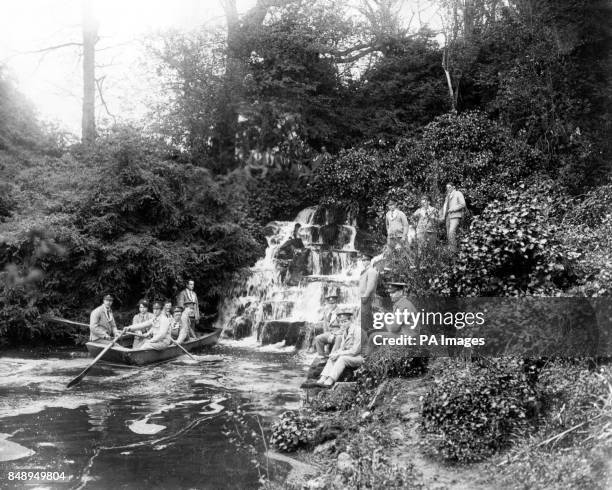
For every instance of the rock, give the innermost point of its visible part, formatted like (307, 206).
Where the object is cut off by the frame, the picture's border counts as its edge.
(242, 327)
(396, 434)
(274, 331)
(345, 463)
(316, 483)
(325, 447)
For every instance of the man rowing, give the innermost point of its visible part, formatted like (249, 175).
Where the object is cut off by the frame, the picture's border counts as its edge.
(158, 335)
(102, 326)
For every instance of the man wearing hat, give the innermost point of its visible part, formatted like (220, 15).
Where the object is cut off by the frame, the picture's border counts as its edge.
(158, 334)
(102, 326)
(348, 352)
(188, 294)
(186, 331)
(175, 322)
(330, 326)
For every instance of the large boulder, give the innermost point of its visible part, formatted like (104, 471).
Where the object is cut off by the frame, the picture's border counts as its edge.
(274, 331)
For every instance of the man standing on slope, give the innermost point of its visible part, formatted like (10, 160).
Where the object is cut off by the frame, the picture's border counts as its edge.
(397, 226)
(452, 212)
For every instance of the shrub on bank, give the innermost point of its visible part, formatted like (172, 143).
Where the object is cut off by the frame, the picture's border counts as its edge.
(472, 411)
(513, 248)
(384, 363)
(291, 431)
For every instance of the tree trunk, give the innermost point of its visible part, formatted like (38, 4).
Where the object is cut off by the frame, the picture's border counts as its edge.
(90, 37)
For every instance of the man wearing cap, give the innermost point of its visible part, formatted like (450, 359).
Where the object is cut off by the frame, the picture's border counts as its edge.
(397, 226)
(102, 326)
(367, 290)
(396, 328)
(348, 353)
(158, 334)
(186, 331)
(188, 294)
(331, 331)
(175, 322)
(142, 316)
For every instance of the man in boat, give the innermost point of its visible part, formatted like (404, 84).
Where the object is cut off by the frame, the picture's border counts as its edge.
(102, 326)
(331, 328)
(188, 294)
(143, 315)
(348, 352)
(186, 331)
(168, 309)
(158, 334)
(175, 323)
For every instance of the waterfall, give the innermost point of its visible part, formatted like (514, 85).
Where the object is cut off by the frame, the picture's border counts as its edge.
(281, 299)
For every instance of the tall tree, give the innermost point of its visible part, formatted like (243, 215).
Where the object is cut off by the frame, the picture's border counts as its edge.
(90, 38)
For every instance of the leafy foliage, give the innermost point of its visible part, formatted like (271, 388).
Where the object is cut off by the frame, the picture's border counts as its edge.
(512, 248)
(139, 231)
(470, 412)
(291, 431)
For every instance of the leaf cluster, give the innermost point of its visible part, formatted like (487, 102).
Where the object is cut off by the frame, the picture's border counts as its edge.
(471, 412)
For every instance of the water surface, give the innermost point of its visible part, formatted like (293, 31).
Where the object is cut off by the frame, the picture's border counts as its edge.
(182, 424)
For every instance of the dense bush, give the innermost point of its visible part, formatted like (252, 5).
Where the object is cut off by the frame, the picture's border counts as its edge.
(513, 248)
(291, 431)
(359, 175)
(472, 411)
(139, 229)
(468, 148)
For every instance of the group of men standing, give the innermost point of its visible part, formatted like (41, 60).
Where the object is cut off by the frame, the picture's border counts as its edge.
(150, 330)
(427, 218)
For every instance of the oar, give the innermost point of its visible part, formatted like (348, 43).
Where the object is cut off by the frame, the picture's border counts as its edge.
(182, 348)
(98, 357)
(56, 319)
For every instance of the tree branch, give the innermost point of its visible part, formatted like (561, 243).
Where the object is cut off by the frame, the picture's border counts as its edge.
(99, 82)
(51, 48)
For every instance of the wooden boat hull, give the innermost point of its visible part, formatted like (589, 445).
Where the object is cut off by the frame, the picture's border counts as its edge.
(120, 355)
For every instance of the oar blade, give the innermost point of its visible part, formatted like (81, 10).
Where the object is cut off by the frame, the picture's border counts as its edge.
(76, 380)
(98, 357)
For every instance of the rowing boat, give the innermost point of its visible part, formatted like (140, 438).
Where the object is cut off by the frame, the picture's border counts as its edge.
(122, 355)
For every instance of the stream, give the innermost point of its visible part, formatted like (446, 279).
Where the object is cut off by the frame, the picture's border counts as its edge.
(183, 424)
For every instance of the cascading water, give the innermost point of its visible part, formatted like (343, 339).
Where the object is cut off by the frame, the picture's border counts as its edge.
(281, 299)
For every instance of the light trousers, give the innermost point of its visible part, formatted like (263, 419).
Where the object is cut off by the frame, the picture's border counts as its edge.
(334, 369)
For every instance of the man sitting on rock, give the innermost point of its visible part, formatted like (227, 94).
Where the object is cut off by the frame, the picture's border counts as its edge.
(331, 333)
(348, 352)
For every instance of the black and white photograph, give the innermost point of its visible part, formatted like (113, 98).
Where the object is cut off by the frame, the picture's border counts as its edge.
(306, 245)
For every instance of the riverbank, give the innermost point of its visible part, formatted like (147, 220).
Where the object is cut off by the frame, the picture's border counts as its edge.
(384, 445)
